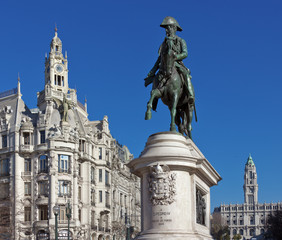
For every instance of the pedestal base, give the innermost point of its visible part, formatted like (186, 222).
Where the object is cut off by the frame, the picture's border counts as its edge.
(175, 187)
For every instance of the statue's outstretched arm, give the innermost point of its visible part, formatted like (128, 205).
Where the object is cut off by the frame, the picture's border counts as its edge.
(184, 52)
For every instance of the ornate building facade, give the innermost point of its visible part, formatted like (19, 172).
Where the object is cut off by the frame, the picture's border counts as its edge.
(248, 219)
(53, 155)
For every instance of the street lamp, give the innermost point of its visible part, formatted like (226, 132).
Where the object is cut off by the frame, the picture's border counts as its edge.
(56, 210)
(68, 213)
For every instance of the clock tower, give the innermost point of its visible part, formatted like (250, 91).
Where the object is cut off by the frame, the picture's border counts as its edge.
(56, 66)
(250, 182)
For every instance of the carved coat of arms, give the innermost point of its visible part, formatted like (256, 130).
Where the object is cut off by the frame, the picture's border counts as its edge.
(162, 185)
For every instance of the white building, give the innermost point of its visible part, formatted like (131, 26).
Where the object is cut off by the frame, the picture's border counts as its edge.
(54, 154)
(248, 219)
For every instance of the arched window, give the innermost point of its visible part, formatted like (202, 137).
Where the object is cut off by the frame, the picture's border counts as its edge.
(262, 231)
(234, 231)
(252, 232)
(43, 164)
(241, 232)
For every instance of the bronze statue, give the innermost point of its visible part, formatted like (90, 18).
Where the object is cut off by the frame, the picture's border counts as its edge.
(172, 83)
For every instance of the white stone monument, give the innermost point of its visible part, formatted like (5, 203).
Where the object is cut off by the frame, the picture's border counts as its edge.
(175, 185)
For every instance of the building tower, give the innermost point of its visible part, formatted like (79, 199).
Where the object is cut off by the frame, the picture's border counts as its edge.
(56, 66)
(250, 182)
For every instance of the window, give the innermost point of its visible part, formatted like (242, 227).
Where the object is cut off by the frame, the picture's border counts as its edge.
(79, 193)
(107, 199)
(43, 212)
(42, 137)
(252, 221)
(27, 189)
(79, 215)
(92, 195)
(4, 141)
(26, 137)
(4, 167)
(120, 199)
(100, 196)
(79, 169)
(43, 188)
(43, 165)
(107, 180)
(63, 163)
(4, 190)
(92, 218)
(252, 232)
(27, 214)
(100, 175)
(100, 153)
(234, 231)
(27, 165)
(64, 188)
(92, 175)
(251, 199)
(262, 231)
(82, 145)
(63, 214)
(241, 232)
(241, 222)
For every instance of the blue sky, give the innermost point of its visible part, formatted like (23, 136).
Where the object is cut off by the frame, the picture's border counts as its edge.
(235, 57)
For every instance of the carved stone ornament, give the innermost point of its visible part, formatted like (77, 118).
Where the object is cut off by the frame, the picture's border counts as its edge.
(162, 185)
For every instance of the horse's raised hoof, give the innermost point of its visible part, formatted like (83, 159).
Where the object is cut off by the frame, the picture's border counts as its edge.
(148, 115)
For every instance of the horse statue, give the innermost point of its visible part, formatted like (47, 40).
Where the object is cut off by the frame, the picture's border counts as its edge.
(168, 85)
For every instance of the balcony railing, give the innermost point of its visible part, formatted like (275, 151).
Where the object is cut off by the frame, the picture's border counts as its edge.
(26, 148)
(43, 170)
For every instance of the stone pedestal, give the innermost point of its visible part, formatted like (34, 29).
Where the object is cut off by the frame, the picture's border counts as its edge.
(175, 187)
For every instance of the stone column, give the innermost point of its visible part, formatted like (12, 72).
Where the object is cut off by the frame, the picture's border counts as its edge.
(175, 185)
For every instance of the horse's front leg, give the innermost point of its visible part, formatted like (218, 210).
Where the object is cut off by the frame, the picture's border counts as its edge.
(154, 94)
(173, 112)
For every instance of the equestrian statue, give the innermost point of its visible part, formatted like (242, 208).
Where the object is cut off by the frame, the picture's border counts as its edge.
(172, 80)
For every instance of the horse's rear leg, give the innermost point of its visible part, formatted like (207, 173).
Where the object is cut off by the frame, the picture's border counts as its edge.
(154, 94)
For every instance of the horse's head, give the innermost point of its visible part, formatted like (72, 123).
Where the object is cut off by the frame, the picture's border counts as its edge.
(168, 57)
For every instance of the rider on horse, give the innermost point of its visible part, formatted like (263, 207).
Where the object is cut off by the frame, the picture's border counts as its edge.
(180, 53)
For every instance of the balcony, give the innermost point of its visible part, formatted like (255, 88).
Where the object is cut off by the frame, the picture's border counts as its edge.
(45, 170)
(26, 176)
(26, 148)
(41, 147)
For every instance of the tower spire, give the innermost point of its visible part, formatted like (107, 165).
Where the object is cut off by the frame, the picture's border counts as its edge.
(19, 86)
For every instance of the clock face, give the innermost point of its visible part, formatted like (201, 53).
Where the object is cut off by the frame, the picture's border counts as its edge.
(59, 68)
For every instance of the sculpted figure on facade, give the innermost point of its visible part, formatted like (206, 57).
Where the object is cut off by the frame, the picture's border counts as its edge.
(200, 208)
(162, 185)
(172, 80)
